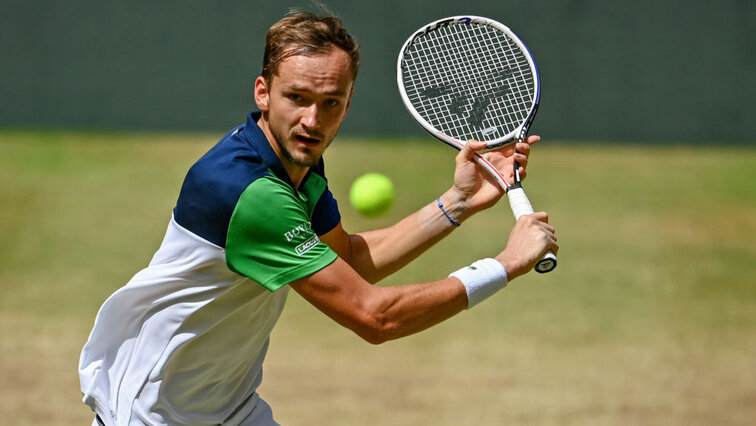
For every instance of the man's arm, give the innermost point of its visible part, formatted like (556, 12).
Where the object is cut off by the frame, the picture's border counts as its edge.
(379, 253)
(378, 314)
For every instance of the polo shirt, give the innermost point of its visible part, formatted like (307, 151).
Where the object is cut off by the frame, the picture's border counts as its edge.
(184, 340)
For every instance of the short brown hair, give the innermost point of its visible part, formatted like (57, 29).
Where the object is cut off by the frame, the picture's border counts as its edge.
(303, 33)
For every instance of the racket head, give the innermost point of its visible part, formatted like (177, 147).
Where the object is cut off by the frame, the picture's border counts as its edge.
(469, 77)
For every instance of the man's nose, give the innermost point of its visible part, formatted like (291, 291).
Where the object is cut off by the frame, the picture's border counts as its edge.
(310, 117)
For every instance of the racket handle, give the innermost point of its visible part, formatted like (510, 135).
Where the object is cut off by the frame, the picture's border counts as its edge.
(521, 206)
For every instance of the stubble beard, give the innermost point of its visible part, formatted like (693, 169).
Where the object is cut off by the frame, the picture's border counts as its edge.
(308, 161)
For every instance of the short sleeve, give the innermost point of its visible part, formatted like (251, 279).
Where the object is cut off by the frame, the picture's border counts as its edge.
(271, 237)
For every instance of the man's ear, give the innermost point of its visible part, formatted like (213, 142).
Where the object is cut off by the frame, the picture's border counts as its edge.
(262, 94)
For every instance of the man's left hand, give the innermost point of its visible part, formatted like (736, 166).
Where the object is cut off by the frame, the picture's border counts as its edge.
(473, 184)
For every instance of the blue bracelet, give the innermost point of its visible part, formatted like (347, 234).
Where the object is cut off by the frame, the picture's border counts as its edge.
(451, 219)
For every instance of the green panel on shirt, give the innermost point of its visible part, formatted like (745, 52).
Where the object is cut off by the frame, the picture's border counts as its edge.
(270, 238)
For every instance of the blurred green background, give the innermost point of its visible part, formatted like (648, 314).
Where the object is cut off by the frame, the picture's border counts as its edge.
(646, 70)
(649, 319)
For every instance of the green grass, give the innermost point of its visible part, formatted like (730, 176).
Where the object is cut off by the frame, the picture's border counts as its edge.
(649, 319)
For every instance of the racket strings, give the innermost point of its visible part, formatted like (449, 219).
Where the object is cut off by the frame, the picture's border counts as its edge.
(469, 81)
(518, 106)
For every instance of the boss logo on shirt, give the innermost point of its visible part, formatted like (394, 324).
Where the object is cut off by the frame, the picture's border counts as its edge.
(302, 230)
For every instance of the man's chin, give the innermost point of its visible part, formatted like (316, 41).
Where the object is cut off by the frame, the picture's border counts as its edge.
(307, 163)
(304, 159)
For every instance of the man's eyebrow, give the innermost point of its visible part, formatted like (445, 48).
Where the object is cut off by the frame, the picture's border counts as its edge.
(296, 88)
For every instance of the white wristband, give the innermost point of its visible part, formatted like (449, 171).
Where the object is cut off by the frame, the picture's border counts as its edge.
(481, 279)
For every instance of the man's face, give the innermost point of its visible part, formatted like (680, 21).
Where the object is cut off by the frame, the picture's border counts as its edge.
(304, 104)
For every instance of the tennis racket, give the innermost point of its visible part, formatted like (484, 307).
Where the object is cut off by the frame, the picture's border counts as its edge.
(468, 77)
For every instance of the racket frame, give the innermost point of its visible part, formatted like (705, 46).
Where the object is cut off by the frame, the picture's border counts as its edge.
(513, 135)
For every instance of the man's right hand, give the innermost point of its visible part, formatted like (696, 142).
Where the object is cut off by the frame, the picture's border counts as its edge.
(530, 238)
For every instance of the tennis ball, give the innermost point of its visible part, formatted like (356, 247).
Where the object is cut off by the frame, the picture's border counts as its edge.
(372, 194)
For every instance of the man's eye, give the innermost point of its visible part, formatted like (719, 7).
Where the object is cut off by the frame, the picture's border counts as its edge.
(332, 102)
(294, 97)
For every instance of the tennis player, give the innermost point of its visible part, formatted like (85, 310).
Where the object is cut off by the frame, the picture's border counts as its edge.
(183, 342)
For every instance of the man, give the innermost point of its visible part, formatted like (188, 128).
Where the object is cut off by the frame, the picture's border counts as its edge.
(183, 342)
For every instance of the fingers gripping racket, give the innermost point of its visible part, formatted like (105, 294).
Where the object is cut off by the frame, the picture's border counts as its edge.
(468, 77)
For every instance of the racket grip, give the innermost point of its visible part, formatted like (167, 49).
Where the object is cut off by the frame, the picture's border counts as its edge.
(521, 206)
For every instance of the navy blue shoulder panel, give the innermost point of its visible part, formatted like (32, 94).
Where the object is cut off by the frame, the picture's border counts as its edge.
(213, 185)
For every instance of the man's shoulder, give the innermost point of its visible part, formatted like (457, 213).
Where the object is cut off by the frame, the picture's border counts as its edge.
(233, 157)
(213, 185)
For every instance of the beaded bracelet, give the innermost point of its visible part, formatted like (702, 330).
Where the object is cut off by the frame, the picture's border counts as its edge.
(448, 216)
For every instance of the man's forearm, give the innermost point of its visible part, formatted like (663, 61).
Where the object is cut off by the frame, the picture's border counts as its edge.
(375, 313)
(379, 253)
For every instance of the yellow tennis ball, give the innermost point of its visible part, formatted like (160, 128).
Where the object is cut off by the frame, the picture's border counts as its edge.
(372, 194)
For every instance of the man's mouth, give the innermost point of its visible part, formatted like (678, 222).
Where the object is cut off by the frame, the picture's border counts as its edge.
(306, 139)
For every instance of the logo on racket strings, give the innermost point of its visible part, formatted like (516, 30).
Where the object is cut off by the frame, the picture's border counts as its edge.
(466, 101)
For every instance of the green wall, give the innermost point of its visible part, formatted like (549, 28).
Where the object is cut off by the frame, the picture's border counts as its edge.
(645, 71)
